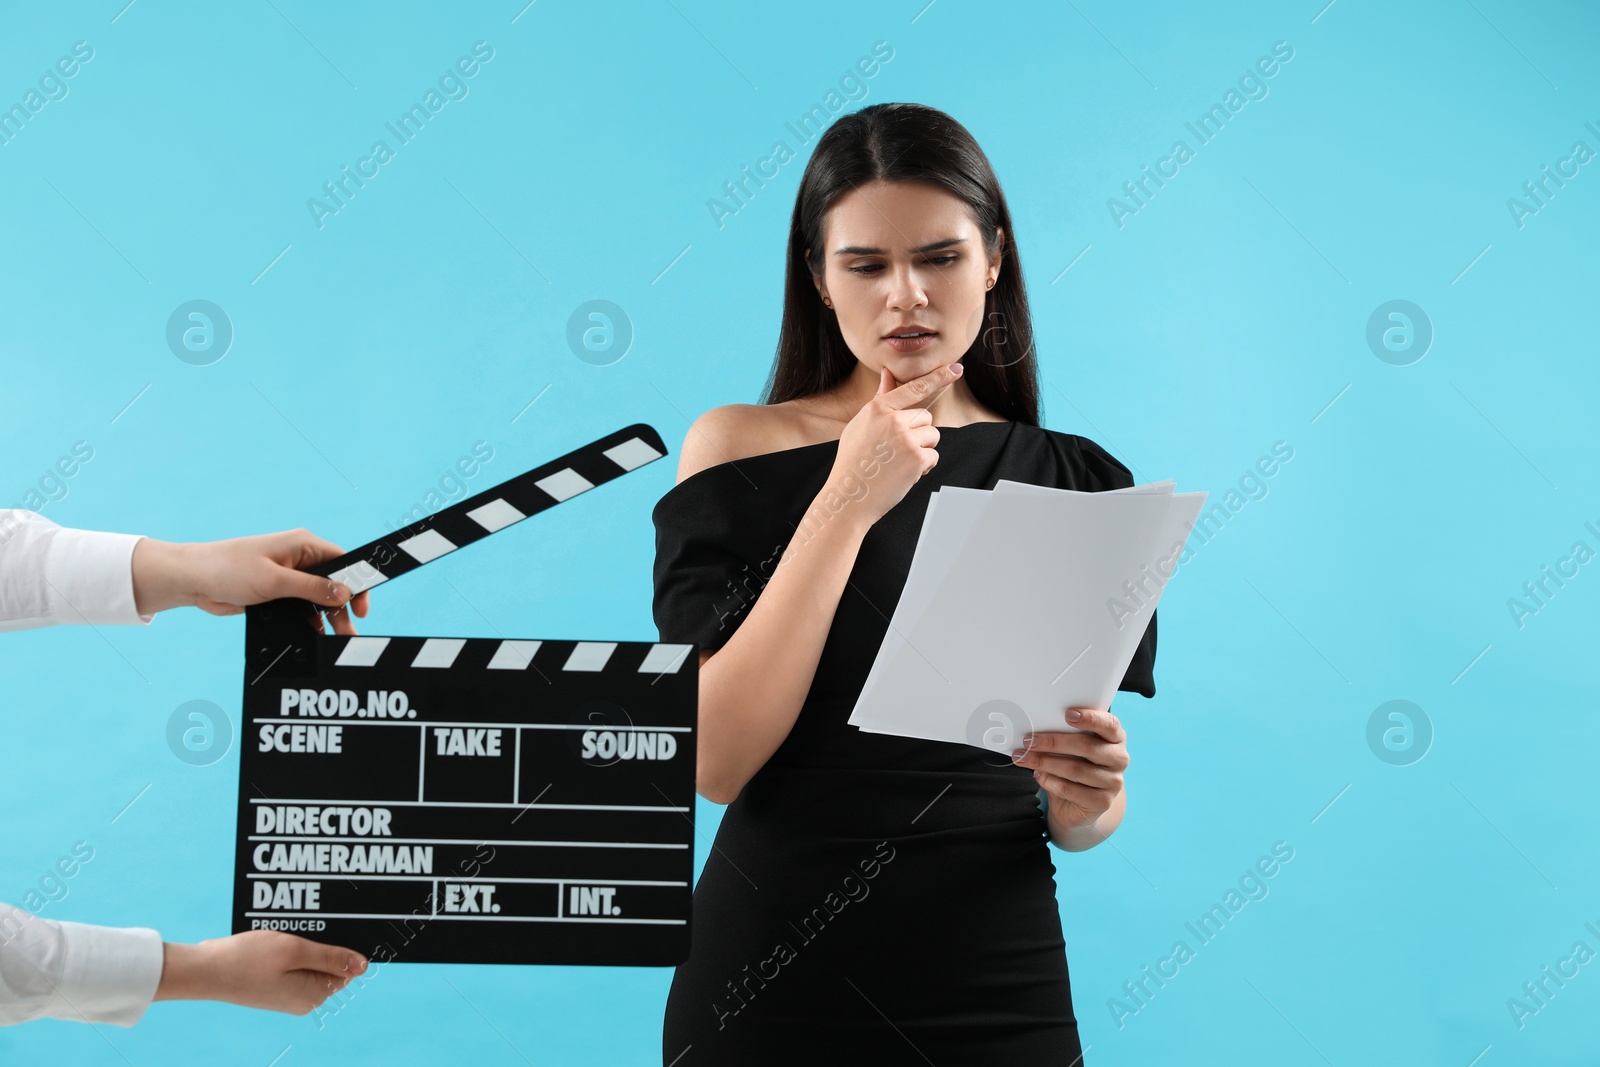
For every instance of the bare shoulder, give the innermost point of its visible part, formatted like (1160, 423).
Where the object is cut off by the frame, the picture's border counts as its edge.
(734, 432)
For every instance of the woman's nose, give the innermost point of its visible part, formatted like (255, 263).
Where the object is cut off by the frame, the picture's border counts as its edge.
(906, 290)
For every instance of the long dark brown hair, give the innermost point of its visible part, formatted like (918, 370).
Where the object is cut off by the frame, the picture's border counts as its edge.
(903, 142)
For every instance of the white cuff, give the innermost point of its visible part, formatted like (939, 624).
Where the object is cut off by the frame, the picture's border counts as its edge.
(108, 974)
(91, 578)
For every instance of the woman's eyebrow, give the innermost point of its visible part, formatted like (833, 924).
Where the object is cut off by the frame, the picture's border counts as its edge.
(857, 250)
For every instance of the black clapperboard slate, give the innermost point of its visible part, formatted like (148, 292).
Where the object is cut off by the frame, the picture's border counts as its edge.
(467, 800)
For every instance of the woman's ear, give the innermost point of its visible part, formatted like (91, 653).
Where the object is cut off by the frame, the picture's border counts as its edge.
(999, 253)
(816, 280)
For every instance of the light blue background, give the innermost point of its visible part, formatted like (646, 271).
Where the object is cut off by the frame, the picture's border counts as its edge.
(1228, 314)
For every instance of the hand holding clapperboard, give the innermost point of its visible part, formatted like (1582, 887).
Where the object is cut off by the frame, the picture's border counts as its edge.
(467, 800)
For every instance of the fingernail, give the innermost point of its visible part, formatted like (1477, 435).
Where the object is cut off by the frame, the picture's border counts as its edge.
(956, 369)
(1029, 741)
(1073, 714)
(1018, 756)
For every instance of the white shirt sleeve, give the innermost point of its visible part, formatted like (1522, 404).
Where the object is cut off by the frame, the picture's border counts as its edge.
(50, 574)
(65, 970)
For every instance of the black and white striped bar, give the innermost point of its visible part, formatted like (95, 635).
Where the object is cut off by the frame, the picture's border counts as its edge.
(494, 509)
(480, 654)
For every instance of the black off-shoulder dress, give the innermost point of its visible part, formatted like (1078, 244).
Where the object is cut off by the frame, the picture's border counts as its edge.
(869, 898)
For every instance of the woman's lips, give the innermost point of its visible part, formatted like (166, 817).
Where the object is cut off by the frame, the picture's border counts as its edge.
(911, 344)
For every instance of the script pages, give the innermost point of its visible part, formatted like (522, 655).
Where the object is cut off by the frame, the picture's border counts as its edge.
(1022, 601)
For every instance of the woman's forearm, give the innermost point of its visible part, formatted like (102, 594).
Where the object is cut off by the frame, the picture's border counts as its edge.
(752, 689)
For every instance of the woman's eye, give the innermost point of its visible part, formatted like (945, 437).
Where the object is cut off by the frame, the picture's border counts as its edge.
(873, 268)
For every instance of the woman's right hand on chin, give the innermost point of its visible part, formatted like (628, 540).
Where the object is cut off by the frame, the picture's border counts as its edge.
(889, 444)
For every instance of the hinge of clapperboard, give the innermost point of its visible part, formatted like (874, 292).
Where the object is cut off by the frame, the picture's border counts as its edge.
(280, 634)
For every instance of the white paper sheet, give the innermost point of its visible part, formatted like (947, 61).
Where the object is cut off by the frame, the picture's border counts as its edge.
(939, 544)
(1007, 617)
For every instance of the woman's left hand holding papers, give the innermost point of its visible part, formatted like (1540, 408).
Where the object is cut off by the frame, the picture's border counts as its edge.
(1082, 773)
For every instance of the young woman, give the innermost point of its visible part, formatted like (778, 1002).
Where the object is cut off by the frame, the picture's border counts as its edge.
(872, 898)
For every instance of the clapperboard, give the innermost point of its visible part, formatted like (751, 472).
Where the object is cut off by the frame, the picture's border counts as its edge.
(466, 800)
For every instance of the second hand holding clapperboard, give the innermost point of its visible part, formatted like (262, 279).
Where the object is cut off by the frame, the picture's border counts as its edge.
(469, 800)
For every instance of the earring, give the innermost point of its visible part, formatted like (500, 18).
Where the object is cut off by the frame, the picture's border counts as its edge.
(990, 285)
(826, 302)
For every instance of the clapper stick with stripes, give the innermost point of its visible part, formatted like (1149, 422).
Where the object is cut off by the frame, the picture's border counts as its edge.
(449, 799)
